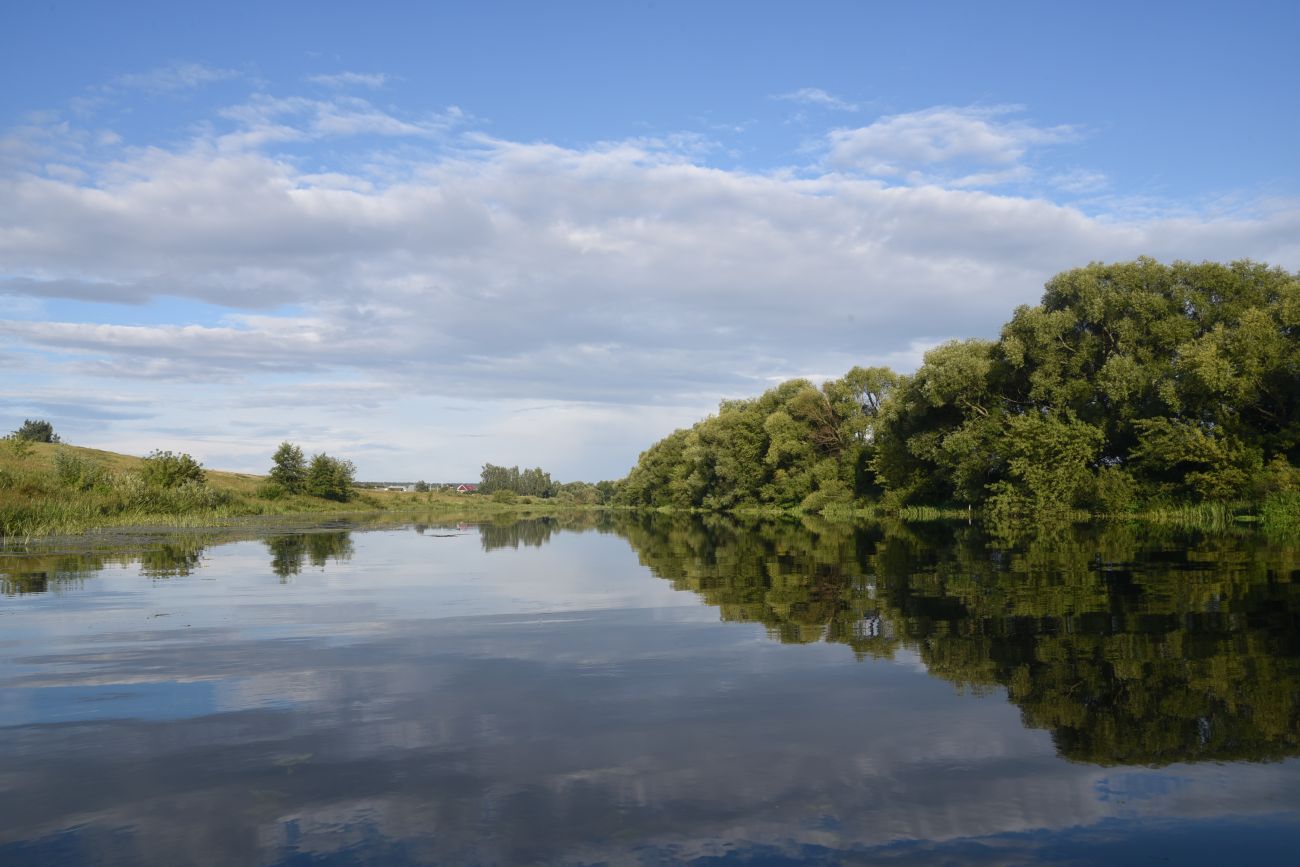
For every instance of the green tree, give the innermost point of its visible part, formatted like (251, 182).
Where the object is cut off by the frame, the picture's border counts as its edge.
(330, 478)
(1128, 381)
(290, 468)
(1049, 467)
(36, 431)
(1191, 372)
(794, 445)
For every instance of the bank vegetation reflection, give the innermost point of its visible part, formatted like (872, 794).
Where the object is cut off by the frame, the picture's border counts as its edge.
(1131, 646)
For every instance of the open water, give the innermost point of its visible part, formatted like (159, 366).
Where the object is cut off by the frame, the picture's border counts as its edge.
(610, 689)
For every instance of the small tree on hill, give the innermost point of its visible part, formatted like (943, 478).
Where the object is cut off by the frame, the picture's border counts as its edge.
(290, 470)
(167, 470)
(330, 478)
(36, 431)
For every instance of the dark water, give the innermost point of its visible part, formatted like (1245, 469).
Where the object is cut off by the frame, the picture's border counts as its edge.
(645, 691)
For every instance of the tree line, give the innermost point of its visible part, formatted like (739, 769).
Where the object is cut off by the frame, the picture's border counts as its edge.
(507, 483)
(1129, 384)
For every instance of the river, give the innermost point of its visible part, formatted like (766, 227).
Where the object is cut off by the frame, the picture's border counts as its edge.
(643, 690)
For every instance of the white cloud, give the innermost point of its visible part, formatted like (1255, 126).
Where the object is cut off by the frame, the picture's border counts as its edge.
(970, 140)
(817, 97)
(267, 120)
(350, 79)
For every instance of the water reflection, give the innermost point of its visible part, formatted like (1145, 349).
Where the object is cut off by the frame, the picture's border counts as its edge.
(508, 531)
(1130, 646)
(54, 571)
(292, 551)
(524, 692)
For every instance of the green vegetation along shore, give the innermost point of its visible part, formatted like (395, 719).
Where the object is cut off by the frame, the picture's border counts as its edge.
(50, 487)
(1132, 389)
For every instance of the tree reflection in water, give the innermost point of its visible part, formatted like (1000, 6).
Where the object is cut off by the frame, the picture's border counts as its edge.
(291, 552)
(1131, 646)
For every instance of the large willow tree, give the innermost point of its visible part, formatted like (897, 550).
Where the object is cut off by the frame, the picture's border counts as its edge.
(1130, 381)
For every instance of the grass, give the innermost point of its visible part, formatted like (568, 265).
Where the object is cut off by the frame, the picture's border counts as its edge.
(1204, 516)
(48, 489)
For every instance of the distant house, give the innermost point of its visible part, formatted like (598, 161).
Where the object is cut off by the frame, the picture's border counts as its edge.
(466, 489)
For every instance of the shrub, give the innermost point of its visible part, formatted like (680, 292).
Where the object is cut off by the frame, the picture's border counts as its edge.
(196, 495)
(77, 473)
(504, 496)
(270, 490)
(127, 487)
(167, 470)
(18, 447)
(1280, 513)
(133, 492)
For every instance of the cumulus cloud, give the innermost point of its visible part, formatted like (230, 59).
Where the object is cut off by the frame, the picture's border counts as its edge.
(628, 273)
(913, 146)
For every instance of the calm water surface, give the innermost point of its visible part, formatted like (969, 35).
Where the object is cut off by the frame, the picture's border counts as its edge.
(651, 690)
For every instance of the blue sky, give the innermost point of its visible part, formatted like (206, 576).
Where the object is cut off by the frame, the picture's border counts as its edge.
(427, 236)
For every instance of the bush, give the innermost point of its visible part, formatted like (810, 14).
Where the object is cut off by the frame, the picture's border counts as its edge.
(504, 496)
(134, 492)
(830, 495)
(1280, 513)
(18, 447)
(270, 491)
(77, 473)
(36, 431)
(166, 470)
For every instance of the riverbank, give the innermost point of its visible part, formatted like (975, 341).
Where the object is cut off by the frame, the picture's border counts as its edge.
(56, 489)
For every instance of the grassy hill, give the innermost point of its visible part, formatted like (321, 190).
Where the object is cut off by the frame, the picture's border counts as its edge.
(50, 488)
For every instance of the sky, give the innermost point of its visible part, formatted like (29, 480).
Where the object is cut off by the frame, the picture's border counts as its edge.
(427, 236)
